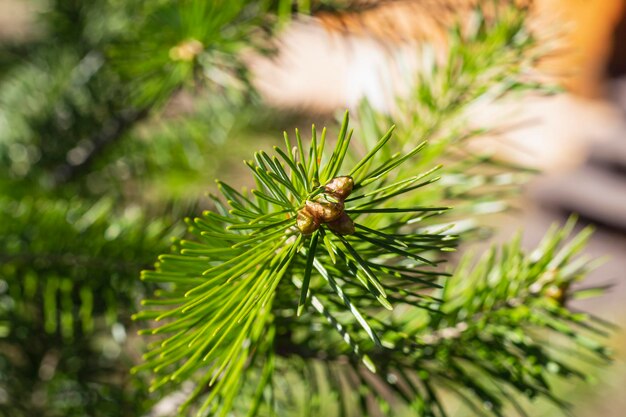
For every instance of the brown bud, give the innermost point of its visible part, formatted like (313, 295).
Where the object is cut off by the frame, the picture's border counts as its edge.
(340, 187)
(324, 211)
(306, 223)
(343, 225)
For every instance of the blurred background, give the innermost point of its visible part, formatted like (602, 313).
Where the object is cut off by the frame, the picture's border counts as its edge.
(113, 126)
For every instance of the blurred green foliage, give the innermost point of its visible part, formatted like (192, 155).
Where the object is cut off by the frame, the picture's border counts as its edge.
(104, 151)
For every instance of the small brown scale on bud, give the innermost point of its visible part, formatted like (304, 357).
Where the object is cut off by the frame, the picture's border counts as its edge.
(306, 223)
(340, 187)
(343, 225)
(325, 211)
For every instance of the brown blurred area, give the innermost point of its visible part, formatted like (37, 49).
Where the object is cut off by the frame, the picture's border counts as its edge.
(17, 19)
(594, 42)
(589, 30)
(333, 60)
(591, 35)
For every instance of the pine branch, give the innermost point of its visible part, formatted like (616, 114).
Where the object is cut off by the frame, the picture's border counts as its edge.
(112, 132)
(224, 282)
(491, 54)
(67, 289)
(353, 255)
(101, 68)
(66, 282)
(504, 331)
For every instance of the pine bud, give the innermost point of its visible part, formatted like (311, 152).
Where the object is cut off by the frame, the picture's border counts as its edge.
(340, 187)
(324, 211)
(306, 223)
(558, 293)
(343, 225)
(186, 50)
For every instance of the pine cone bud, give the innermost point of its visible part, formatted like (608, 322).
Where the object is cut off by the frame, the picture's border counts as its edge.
(324, 211)
(343, 225)
(340, 187)
(306, 223)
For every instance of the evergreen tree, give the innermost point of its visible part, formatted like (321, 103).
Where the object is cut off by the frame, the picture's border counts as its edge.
(322, 291)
